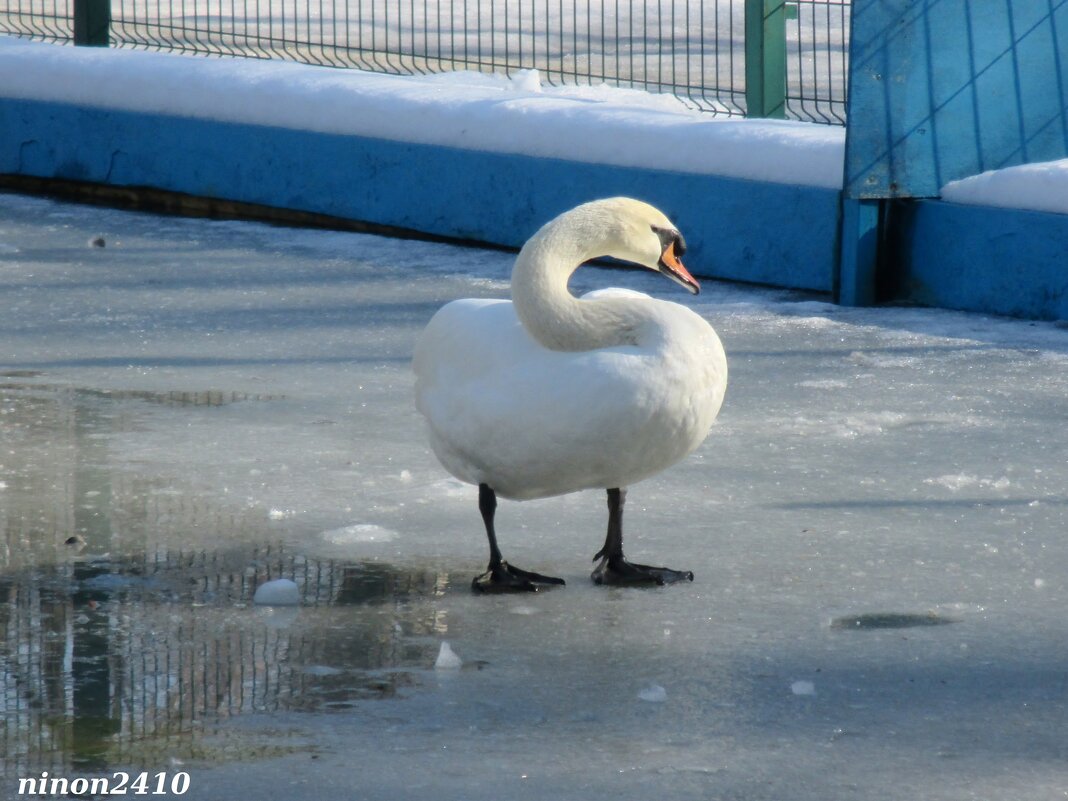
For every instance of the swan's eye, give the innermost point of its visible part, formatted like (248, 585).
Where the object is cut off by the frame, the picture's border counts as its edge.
(668, 237)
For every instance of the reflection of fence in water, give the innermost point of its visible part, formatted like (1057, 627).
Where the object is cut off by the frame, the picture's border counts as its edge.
(110, 659)
(100, 662)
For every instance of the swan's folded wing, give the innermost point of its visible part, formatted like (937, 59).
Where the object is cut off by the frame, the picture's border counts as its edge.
(550, 423)
(467, 339)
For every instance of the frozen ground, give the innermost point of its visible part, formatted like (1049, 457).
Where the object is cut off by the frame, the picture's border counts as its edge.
(877, 527)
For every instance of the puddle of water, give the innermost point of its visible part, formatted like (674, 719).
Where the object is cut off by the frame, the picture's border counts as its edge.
(126, 639)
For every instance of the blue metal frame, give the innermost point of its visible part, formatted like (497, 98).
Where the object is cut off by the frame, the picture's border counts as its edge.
(940, 90)
(943, 89)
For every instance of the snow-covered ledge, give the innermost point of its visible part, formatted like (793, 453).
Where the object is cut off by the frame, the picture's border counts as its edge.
(461, 155)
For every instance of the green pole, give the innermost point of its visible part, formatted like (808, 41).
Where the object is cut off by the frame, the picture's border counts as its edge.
(92, 22)
(765, 58)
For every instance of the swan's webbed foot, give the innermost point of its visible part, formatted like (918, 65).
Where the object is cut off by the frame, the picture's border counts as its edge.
(504, 577)
(617, 570)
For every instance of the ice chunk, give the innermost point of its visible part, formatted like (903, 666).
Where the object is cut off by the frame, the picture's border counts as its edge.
(280, 592)
(803, 688)
(447, 658)
(654, 693)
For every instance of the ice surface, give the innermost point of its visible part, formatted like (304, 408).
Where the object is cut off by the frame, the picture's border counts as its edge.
(161, 396)
(359, 533)
(1041, 186)
(279, 592)
(467, 110)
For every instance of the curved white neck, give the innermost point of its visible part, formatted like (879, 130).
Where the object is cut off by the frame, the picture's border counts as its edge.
(548, 310)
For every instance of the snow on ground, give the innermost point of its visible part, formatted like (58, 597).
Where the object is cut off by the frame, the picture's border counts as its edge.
(1042, 186)
(876, 525)
(461, 109)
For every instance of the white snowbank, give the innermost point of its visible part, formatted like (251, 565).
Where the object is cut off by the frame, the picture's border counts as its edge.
(468, 110)
(1042, 186)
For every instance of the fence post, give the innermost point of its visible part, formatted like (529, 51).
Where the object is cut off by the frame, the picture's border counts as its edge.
(765, 58)
(92, 22)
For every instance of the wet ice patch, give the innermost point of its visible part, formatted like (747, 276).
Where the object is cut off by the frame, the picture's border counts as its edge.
(874, 423)
(523, 609)
(450, 488)
(321, 670)
(280, 592)
(359, 533)
(824, 383)
(867, 424)
(959, 481)
(110, 582)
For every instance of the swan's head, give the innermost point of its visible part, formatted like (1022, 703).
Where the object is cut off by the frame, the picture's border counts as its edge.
(641, 234)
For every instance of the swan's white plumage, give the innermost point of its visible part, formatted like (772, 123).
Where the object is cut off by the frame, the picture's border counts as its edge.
(531, 422)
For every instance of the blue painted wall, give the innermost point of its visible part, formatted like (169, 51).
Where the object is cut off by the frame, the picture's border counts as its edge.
(977, 258)
(769, 233)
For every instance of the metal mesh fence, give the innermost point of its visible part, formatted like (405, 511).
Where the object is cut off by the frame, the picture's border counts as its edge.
(694, 49)
(42, 19)
(817, 60)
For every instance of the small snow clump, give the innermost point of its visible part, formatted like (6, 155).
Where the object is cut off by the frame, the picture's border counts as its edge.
(280, 592)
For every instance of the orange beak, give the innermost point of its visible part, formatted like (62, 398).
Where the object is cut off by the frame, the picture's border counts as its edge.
(673, 269)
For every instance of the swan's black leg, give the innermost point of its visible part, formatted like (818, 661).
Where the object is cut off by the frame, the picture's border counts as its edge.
(614, 569)
(501, 576)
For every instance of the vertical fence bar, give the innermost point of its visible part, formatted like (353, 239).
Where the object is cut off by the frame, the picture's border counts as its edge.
(92, 22)
(765, 58)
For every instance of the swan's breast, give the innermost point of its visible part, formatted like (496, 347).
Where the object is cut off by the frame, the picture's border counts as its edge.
(533, 422)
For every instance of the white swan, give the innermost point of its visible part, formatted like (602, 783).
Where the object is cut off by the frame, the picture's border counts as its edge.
(549, 393)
